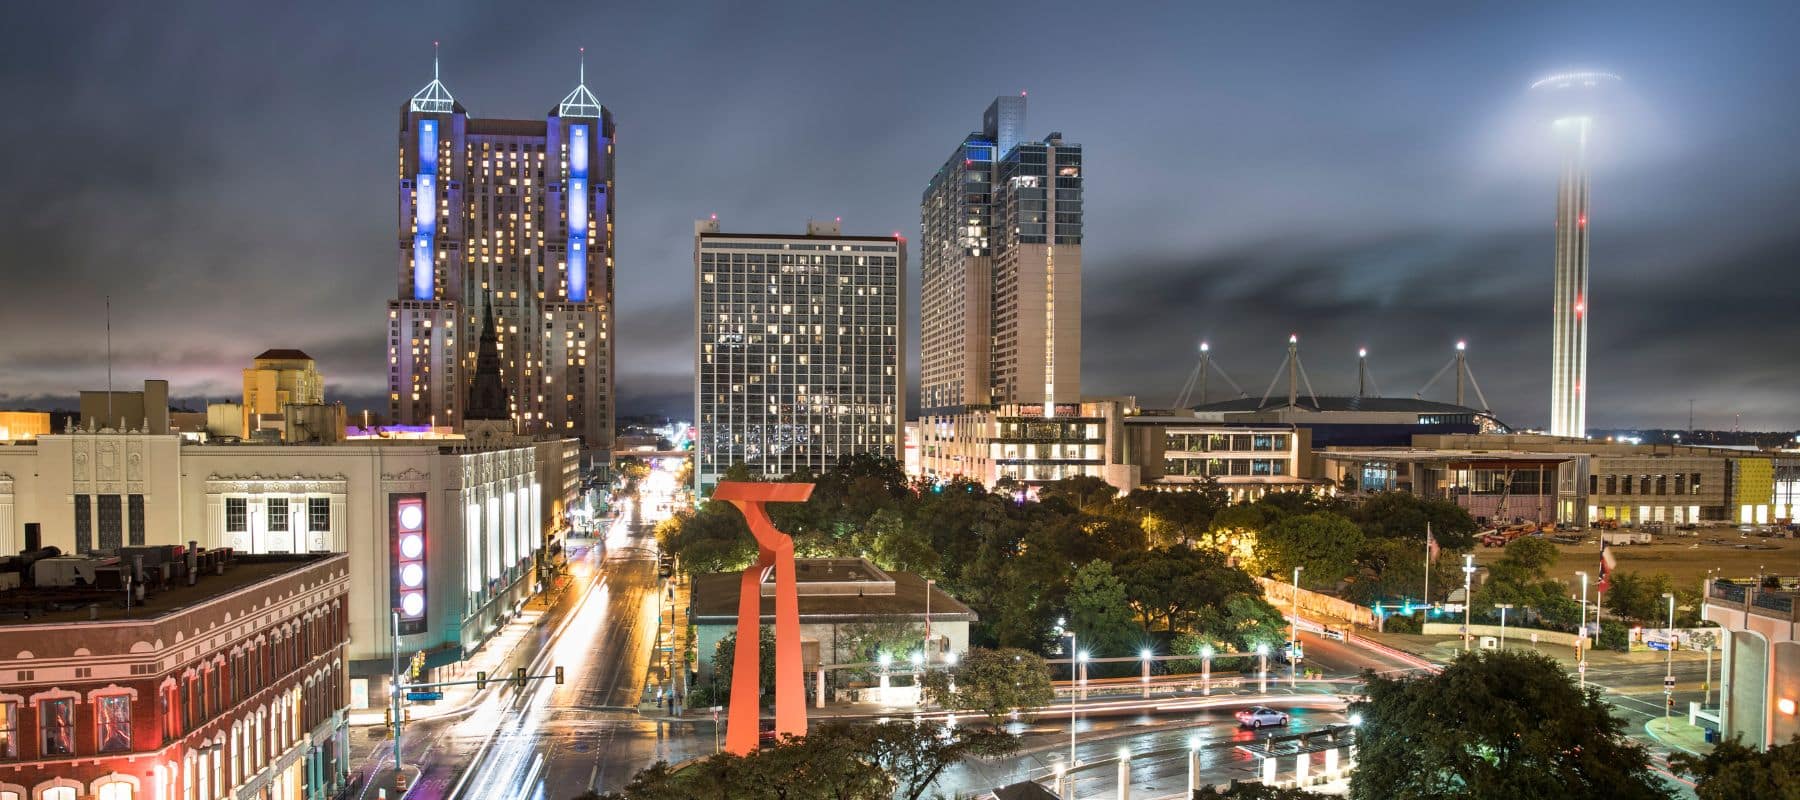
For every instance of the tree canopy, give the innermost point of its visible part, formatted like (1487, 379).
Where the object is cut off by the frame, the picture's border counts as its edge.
(994, 682)
(1494, 725)
(834, 761)
(1733, 771)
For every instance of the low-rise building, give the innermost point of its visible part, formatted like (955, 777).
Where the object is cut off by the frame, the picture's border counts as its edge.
(1029, 444)
(17, 426)
(842, 600)
(483, 515)
(1635, 484)
(1249, 461)
(232, 686)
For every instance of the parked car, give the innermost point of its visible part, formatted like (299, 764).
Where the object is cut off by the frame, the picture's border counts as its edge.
(1261, 716)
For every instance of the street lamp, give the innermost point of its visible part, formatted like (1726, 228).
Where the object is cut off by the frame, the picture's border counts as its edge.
(1581, 644)
(1503, 607)
(1145, 655)
(1468, 595)
(1074, 670)
(1206, 654)
(1669, 660)
(1262, 656)
(1293, 653)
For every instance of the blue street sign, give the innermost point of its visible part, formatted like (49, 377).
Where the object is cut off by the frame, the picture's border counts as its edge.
(415, 696)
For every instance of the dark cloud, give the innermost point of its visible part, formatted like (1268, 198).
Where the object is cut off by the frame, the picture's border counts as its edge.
(1357, 174)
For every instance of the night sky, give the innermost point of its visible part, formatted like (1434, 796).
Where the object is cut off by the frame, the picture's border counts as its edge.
(1362, 174)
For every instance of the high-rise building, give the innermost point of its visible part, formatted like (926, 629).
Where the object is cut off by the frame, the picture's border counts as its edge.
(798, 340)
(516, 220)
(1000, 310)
(1571, 93)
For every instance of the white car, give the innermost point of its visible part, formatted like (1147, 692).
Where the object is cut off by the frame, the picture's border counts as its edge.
(1259, 716)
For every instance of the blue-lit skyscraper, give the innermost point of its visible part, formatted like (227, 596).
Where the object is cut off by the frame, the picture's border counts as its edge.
(519, 214)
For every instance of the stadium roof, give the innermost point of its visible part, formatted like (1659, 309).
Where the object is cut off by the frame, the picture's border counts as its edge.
(1392, 405)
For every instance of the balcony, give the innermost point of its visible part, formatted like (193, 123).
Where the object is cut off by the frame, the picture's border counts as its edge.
(1747, 597)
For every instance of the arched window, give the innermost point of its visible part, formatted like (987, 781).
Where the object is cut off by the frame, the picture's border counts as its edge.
(115, 791)
(58, 793)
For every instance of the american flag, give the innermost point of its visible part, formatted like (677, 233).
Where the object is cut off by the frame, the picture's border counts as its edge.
(1607, 563)
(1431, 546)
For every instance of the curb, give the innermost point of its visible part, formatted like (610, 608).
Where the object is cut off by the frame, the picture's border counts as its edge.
(1660, 740)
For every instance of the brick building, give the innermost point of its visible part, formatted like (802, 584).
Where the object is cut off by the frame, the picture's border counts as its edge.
(233, 687)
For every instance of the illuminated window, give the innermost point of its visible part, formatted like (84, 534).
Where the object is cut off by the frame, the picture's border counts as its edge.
(56, 726)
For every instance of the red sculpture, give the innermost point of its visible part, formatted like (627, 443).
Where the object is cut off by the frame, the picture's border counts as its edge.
(774, 550)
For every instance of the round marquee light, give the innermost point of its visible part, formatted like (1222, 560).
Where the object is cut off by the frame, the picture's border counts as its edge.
(412, 604)
(412, 576)
(412, 517)
(412, 546)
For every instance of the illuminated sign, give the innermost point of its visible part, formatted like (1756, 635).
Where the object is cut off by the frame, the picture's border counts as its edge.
(409, 553)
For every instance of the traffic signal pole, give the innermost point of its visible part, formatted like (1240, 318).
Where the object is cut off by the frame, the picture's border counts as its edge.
(519, 678)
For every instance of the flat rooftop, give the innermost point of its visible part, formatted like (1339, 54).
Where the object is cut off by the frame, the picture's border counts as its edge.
(31, 606)
(1430, 456)
(840, 590)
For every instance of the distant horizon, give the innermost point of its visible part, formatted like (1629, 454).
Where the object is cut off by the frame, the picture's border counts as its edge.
(1366, 176)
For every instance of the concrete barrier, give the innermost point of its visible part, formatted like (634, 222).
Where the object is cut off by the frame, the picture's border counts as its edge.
(1514, 633)
(1312, 603)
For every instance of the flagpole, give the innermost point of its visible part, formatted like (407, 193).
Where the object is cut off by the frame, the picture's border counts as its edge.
(1427, 570)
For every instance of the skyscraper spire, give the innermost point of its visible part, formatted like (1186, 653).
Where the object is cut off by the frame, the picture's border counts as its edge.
(581, 102)
(434, 98)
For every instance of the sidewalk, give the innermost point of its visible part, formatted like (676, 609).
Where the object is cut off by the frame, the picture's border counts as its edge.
(1677, 733)
(668, 669)
(486, 658)
(1447, 648)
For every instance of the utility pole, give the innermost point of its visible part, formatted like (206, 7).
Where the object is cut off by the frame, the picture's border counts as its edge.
(1468, 596)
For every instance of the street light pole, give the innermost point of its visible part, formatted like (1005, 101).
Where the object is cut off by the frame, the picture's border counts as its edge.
(1503, 607)
(1074, 667)
(394, 689)
(1293, 653)
(1669, 659)
(1468, 596)
(1582, 643)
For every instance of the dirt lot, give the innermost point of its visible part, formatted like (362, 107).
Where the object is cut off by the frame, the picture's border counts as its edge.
(1685, 558)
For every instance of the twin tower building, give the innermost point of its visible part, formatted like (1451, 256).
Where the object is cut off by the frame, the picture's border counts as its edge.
(512, 218)
(800, 356)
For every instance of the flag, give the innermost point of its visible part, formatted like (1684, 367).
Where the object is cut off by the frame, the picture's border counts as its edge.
(1607, 563)
(1431, 546)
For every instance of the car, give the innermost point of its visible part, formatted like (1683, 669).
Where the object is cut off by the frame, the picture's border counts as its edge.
(1260, 716)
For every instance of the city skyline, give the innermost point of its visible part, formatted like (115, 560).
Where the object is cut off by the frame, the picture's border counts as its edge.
(1260, 225)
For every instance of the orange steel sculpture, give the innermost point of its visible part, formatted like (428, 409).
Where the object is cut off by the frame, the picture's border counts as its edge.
(774, 550)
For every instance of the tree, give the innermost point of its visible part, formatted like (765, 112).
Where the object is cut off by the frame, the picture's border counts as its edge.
(834, 761)
(1525, 560)
(725, 656)
(1324, 543)
(1098, 611)
(994, 682)
(915, 754)
(1733, 771)
(1083, 492)
(1501, 725)
(1403, 515)
(1175, 584)
(1637, 596)
(1255, 791)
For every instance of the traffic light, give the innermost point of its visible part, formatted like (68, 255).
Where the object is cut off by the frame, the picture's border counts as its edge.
(480, 681)
(519, 675)
(559, 676)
